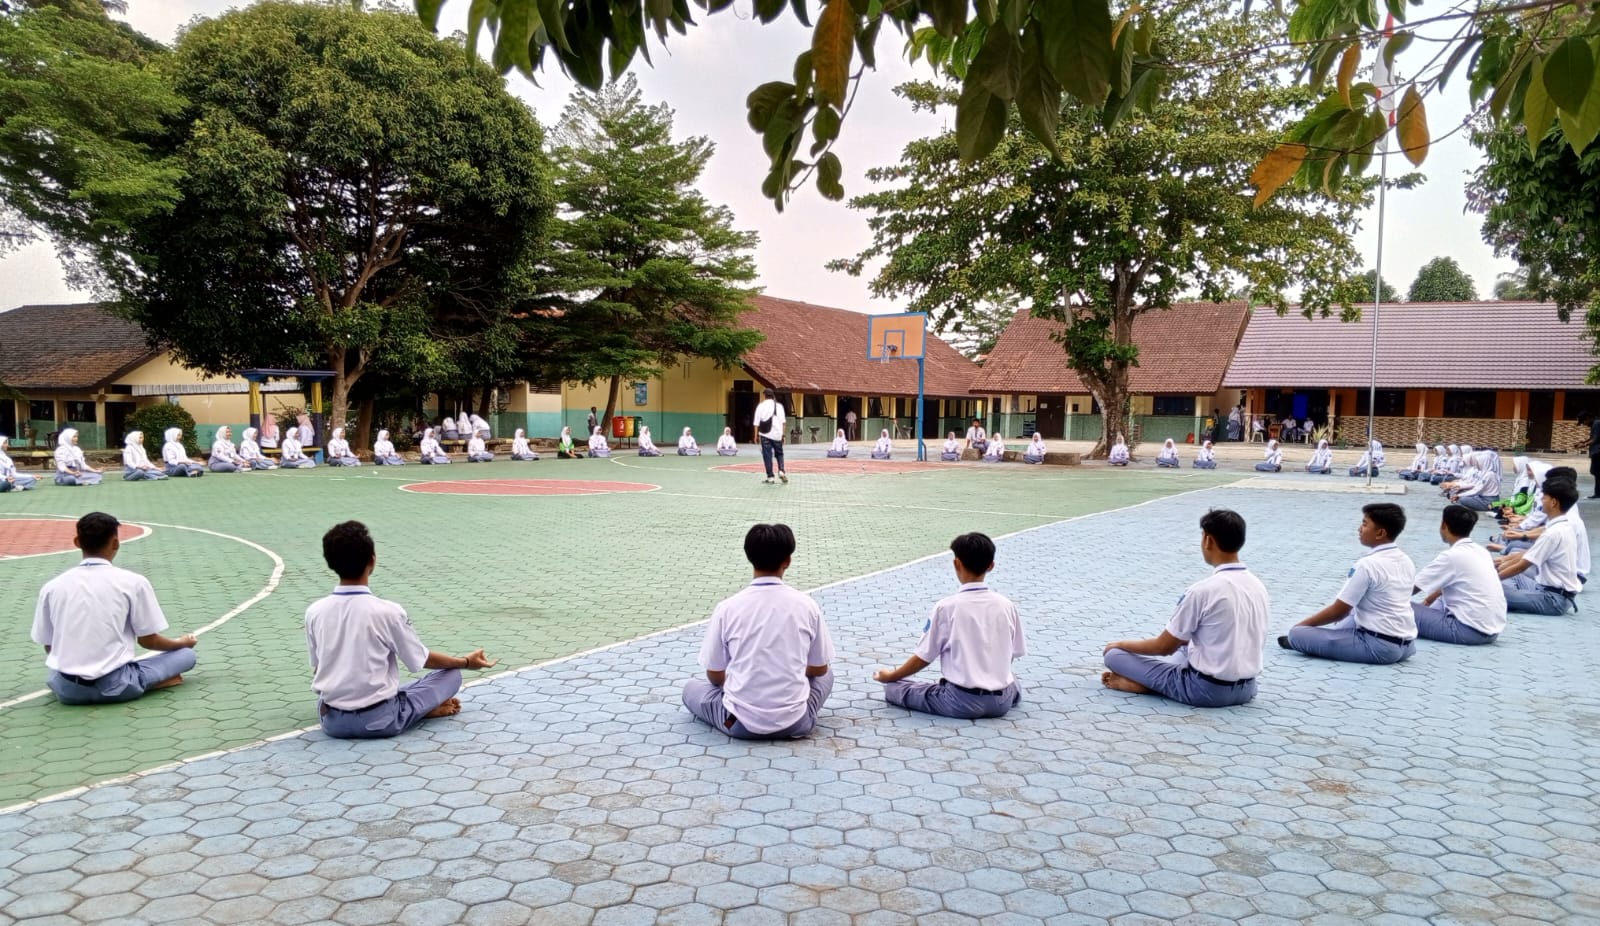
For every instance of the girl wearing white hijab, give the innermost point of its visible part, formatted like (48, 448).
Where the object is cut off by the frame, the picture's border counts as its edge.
(1119, 453)
(647, 446)
(1419, 464)
(448, 425)
(1274, 459)
(726, 445)
(951, 452)
(566, 450)
(1372, 459)
(994, 451)
(481, 427)
(176, 456)
(1486, 488)
(597, 444)
(687, 447)
(136, 465)
(1321, 459)
(520, 449)
(10, 479)
(339, 450)
(1168, 456)
(1206, 458)
(1035, 450)
(1464, 472)
(1441, 465)
(432, 453)
(383, 453)
(71, 467)
(477, 450)
(224, 456)
(292, 455)
(840, 448)
(884, 447)
(250, 451)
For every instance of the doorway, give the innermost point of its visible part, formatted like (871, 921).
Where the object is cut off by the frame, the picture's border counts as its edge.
(116, 422)
(1541, 418)
(845, 406)
(8, 418)
(1050, 417)
(742, 413)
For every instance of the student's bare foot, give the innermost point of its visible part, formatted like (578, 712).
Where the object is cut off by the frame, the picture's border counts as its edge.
(169, 683)
(1117, 683)
(449, 708)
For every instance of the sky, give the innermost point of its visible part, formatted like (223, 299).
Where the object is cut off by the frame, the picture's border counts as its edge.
(705, 76)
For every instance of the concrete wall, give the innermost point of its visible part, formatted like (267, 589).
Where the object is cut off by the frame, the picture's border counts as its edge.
(693, 394)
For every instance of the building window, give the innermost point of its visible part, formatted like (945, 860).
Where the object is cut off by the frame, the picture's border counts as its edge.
(1172, 405)
(1391, 403)
(875, 408)
(80, 411)
(1477, 403)
(42, 411)
(816, 406)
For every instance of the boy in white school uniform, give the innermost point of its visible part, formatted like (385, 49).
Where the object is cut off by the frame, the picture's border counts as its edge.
(356, 641)
(1372, 621)
(1465, 603)
(766, 651)
(1545, 578)
(1217, 631)
(89, 618)
(974, 635)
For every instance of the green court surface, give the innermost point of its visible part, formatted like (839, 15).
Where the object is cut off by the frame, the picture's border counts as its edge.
(529, 578)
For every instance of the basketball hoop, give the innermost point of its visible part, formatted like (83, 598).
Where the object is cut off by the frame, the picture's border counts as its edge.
(890, 352)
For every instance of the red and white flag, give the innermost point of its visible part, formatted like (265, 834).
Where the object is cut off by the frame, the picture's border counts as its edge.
(1383, 78)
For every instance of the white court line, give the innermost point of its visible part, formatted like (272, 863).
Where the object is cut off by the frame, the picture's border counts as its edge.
(268, 589)
(144, 532)
(290, 734)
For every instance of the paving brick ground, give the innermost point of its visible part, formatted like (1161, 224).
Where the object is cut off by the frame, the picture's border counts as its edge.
(1456, 788)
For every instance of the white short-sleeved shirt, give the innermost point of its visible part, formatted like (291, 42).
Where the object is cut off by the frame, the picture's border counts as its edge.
(774, 409)
(1464, 575)
(1378, 592)
(356, 641)
(1580, 532)
(973, 635)
(764, 637)
(91, 617)
(1223, 618)
(1555, 555)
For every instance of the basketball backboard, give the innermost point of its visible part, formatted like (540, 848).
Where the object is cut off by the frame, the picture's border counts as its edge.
(897, 337)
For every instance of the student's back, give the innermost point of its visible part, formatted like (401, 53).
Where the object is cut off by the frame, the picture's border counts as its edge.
(974, 635)
(765, 636)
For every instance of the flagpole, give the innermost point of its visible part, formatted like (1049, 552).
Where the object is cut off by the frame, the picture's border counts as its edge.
(1377, 304)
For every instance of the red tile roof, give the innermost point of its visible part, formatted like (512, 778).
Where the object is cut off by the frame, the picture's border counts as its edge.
(1183, 350)
(1435, 345)
(813, 348)
(67, 347)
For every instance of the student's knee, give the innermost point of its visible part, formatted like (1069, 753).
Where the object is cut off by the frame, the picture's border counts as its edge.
(695, 692)
(179, 661)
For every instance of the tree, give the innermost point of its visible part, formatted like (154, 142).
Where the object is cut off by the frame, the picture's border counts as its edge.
(1442, 280)
(1124, 222)
(81, 96)
(650, 270)
(1361, 290)
(350, 186)
(1513, 286)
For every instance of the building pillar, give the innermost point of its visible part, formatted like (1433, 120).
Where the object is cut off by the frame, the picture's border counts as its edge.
(316, 412)
(255, 404)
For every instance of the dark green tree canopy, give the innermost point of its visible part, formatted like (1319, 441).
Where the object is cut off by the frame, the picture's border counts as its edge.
(1442, 280)
(1361, 291)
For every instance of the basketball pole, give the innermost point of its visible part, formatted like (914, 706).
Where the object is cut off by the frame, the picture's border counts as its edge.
(922, 448)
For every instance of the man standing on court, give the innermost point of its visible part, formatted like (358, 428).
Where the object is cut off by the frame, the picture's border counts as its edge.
(850, 423)
(769, 428)
(1593, 443)
(594, 420)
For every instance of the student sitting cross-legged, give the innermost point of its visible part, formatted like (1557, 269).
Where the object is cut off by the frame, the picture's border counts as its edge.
(1209, 654)
(973, 635)
(1465, 603)
(356, 641)
(766, 651)
(89, 618)
(1545, 578)
(1371, 620)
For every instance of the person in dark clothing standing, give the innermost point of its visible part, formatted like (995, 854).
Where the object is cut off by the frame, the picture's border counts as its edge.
(1593, 444)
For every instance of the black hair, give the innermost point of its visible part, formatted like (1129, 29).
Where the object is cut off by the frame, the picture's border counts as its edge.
(1585, 416)
(767, 546)
(347, 548)
(1459, 520)
(1387, 515)
(1561, 472)
(768, 394)
(1225, 527)
(975, 551)
(1565, 493)
(96, 530)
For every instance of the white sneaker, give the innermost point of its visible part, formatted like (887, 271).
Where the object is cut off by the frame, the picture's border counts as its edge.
(784, 478)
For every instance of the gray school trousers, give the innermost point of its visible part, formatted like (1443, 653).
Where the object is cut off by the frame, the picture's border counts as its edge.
(1525, 596)
(409, 707)
(948, 700)
(1172, 677)
(1441, 626)
(704, 700)
(124, 683)
(1346, 642)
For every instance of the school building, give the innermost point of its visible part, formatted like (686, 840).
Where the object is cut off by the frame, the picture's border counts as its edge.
(815, 358)
(1183, 354)
(1505, 375)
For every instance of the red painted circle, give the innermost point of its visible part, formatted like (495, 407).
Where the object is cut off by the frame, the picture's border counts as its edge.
(526, 487)
(45, 536)
(845, 467)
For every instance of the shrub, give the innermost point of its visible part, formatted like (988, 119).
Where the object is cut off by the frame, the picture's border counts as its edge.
(154, 420)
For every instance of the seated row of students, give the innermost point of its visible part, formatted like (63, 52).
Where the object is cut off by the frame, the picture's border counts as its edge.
(468, 427)
(11, 479)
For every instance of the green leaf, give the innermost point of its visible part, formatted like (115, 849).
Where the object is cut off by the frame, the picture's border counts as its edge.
(428, 12)
(477, 13)
(768, 10)
(803, 70)
(800, 13)
(980, 121)
(1078, 46)
(1462, 50)
(829, 170)
(949, 16)
(764, 101)
(825, 125)
(1397, 43)
(998, 65)
(555, 24)
(1568, 73)
(1038, 95)
(867, 41)
(1538, 110)
(518, 20)
(832, 45)
(1581, 126)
